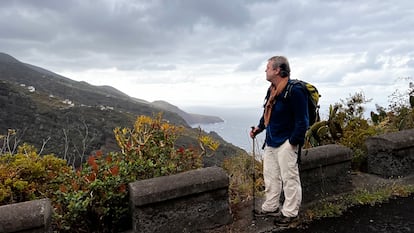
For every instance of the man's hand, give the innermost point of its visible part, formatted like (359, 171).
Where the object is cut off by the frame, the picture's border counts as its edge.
(255, 131)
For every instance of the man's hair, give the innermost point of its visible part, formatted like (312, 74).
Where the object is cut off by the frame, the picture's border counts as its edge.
(282, 63)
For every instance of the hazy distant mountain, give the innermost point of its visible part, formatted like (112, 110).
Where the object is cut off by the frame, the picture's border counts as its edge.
(190, 118)
(74, 118)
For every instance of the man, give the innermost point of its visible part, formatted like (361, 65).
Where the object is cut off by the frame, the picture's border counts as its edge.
(286, 120)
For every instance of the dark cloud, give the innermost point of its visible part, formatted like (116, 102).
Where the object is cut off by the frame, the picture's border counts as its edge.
(347, 38)
(140, 29)
(187, 13)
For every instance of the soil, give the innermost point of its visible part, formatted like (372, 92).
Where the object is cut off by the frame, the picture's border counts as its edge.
(394, 216)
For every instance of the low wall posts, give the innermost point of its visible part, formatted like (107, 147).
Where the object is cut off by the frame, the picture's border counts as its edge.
(191, 201)
(28, 217)
(391, 154)
(325, 170)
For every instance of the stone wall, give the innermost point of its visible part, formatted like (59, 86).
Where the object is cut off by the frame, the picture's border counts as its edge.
(325, 171)
(392, 154)
(194, 201)
(27, 217)
(186, 202)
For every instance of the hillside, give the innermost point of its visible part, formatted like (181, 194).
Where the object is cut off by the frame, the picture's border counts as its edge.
(84, 93)
(71, 119)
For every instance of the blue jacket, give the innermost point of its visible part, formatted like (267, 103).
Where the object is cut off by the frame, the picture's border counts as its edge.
(289, 118)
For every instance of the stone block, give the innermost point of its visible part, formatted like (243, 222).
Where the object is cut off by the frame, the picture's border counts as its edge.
(325, 171)
(191, 201)
(28, 217)
(392, 154)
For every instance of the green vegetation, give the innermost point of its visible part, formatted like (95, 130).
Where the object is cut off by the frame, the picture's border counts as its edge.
(27, 176)
(335, 206)
(94, 197)
(240, 170)
(346, 124)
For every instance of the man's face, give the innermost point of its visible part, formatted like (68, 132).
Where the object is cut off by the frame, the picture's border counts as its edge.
(270, 72)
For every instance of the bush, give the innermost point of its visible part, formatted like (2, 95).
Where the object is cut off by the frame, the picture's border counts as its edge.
(240, 170)
(95, 197)
(150, 145)
(26, 176)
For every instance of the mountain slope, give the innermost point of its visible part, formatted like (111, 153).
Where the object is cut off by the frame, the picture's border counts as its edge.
(71, 119)
(77, 92)
(81, 92)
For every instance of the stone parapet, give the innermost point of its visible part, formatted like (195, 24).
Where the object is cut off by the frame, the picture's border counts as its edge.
(191, 201)
(392, 154)
(28, 217)
(325, 171)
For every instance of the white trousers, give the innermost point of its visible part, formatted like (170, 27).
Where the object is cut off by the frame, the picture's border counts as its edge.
(280, 170)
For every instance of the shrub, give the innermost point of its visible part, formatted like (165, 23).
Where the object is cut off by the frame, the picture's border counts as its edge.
(95, 197)
(26, 176)
(345, 125)
(240, 170)
(151, 145)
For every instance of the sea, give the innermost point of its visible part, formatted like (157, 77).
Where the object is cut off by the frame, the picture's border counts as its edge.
(236, 125)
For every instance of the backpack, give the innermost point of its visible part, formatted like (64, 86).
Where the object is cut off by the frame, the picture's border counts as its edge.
(313, 99)
(313, 104)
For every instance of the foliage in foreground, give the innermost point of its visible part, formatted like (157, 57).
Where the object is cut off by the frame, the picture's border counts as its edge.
(94, 197)
(241, 173)
(26, 176)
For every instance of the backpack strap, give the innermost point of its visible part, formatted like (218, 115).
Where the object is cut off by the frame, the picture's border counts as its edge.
(288, 93)
(290, 84)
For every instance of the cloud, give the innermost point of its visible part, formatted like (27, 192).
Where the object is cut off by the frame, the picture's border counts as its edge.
(214, 52)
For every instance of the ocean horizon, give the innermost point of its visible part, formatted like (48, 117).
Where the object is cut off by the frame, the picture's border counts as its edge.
(236, 126)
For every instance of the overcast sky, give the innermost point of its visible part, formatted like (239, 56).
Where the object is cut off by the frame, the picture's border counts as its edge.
(213, 52)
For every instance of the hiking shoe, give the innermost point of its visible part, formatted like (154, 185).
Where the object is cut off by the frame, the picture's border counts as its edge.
(284, 221)
(263, 213)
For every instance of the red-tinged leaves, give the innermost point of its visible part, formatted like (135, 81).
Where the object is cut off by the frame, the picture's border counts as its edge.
(114, 170)
(63, 188)
(122, 188)
(99, 153)
(91, 177)
(75, 186)
(92, 163)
